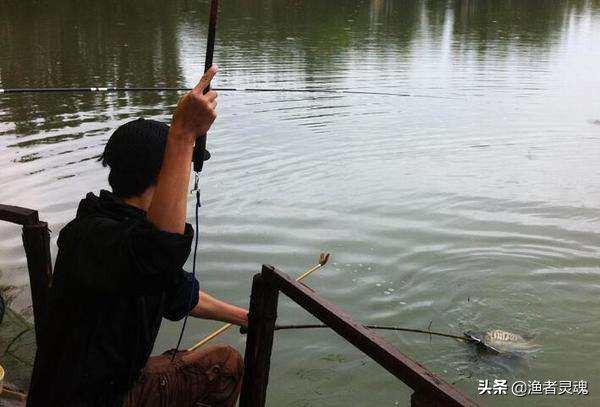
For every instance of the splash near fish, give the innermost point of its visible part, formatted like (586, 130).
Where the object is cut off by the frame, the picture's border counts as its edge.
(502, 342)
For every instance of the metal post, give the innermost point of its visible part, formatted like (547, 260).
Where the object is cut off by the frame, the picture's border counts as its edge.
(259, 343)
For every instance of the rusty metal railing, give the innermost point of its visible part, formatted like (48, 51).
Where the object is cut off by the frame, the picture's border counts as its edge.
(428, 389)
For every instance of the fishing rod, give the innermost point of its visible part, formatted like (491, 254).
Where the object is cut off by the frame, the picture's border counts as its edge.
(113, 89)
(323, 259)
(378, 327)
(200, 152)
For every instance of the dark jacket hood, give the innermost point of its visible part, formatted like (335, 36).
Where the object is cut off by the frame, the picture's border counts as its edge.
(107, 205)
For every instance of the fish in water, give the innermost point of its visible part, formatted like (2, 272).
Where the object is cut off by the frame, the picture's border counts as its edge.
(499, 341)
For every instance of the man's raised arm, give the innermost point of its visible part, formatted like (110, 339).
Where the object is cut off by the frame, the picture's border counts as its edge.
(194, 115)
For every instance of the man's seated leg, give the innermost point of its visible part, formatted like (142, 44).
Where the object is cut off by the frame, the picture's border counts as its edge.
(210, 376)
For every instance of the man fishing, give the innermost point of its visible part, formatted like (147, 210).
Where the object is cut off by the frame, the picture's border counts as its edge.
(119, 272)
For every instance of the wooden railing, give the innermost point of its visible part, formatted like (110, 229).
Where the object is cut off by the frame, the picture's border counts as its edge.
(428, 389)
(36, 241)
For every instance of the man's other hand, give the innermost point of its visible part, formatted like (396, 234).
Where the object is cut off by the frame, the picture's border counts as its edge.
(196, 111)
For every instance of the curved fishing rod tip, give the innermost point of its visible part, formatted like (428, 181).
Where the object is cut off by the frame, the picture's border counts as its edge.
(323, 258)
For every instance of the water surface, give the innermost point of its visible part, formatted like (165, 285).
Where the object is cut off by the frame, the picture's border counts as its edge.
(472, 203)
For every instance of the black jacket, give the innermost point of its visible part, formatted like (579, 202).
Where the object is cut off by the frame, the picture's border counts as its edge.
(116, 277)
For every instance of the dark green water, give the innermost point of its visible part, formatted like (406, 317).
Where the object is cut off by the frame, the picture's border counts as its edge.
(474, 203)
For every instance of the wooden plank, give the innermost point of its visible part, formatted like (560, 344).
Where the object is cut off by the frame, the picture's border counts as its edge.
(36, 240)
(259, 343)
(410, 372)
(18, 215)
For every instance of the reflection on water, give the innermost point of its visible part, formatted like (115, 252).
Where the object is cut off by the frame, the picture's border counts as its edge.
(472, 206)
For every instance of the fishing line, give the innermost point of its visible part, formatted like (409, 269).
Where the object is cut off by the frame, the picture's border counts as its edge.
(108, 89)
(198, 205)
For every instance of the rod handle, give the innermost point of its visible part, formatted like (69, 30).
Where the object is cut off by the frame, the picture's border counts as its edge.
(199, 149)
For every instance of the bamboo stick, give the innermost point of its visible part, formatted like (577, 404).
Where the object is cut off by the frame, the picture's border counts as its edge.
(377, 327)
